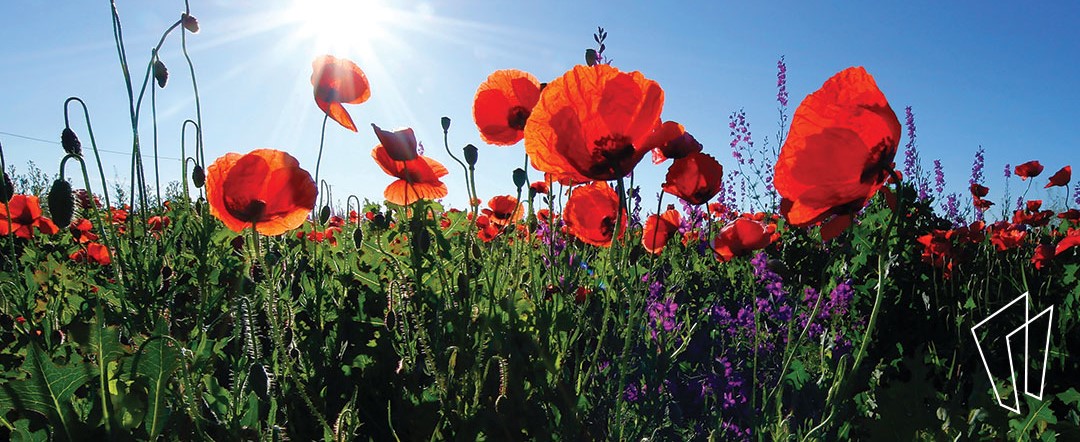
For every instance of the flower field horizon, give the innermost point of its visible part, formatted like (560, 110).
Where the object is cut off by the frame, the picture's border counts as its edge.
(822, 284)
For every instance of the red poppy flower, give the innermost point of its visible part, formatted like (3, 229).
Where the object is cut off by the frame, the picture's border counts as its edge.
(485, 229)
(590, 214)
(399, 144)
(1042, 256)
(503, 104)
(338, 81)
(1032, 216)
(539, 188)
(1030, 169)
(80, 231)
(981, 204)
(742, 236)
(839, 151)
(695, 178)
(671, 140)
(503, 210)
(1006, 236)
(591, 123)
(1072, 215)
(1072, 239)
(938, 250)
(94, 252)
(158, 223)
(659, 229)
(717, 210)
(416, 179)
(25, 213)
(265, 187)
(1061, 177)
(979, 191)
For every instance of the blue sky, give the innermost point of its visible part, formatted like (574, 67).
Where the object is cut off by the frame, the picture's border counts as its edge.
(1000, 76)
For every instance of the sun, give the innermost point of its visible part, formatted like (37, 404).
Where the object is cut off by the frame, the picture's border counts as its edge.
(342, 25)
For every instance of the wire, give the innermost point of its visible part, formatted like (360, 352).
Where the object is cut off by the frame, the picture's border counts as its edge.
(40, 140)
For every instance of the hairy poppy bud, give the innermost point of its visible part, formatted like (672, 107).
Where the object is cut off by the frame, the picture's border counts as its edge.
(379, 221)
(189, 22)
(324, 214)
(198, 176)
(445, 124)
(590, 57)
(358, 237)
(520, 178)
(7, 189)
(470, 154)
(71, 142)
(421, 241)
(61, 202)
(161, 74)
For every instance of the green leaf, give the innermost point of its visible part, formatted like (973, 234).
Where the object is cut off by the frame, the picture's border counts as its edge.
(156, 363)
(49, 388)
(1070, 396)
(797, 374)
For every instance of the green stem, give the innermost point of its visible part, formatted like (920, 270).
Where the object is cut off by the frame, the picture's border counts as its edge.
(318, 159)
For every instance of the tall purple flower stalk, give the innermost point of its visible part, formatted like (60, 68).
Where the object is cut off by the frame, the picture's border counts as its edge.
(741, 139)
(911, 158)
(939, 178)
(977, 174)
(952, 210)
(1076, 193)
(781, 82)
(1008, 171)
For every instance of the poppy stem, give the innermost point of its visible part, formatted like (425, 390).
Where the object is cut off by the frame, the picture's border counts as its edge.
(7, 210)
(318, 159)
(446, 144)
(183, 154)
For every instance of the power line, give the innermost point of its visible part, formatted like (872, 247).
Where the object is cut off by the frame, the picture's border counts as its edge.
(41, 140)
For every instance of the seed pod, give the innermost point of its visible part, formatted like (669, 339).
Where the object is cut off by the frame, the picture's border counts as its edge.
(7, 189)
(189, 22)
(198, 176)
(520, 178)
(590, 57)
(61, 202)
(445, 124)
(324, 215)
(470, 154)
(379, 221)
(421, 241)
(71, 142)
(161, 74)
(358, 237)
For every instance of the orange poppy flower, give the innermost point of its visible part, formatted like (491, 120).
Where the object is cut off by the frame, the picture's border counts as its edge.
(485, 229)
(592, 123)
(338, 81)
(839, 151)
(503, 210)
(671, 140)
(1072, 239)
(265, 187)
(742, 236)
(1006, 236)
(1060, 178)
(416, 179)
(1044, 253)
(400, 144)
(590, 214)
(503, 104)
(659, 229)
(80, 231)
(25, 213)
(94, 252)
(1030, 169)
(539, 188)
(695, 178)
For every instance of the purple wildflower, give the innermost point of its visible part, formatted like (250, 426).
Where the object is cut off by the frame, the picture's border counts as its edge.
(1077, 193)
(939, 178)
(952, 210)
(632, 392)
(840, 298)
(781, 82)
(741, 139)
(635, 208)
(977, 166)
(910, 157)
(1008, 171)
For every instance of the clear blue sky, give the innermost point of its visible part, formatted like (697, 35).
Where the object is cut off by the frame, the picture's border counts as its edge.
(1001, 75)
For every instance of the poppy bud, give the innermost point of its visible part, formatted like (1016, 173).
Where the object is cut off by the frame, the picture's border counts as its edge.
(358, 237)
(421, 241)
(590, 57)
(445, 124)
(189, 22)
(7, 189)
(520, 178)
(71, 143)
(470, 154)
(379, 221)
(324, 214)
(161, 74)
(198, 176)
(61, 202)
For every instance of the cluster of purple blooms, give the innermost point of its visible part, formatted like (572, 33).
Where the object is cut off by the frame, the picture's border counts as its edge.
(662, 310)
(912, 169)
(781, 82)
(742, 141)
(977, 174)
(550, 237)
(939, 178)
(836, 307)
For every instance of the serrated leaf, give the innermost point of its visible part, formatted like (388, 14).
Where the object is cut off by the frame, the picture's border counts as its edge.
(1069, 396)
(156, 363)
(797, 374)
(49, 388)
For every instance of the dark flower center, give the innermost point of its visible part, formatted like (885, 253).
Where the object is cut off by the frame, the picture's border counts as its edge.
(516, 117)
(609, 156)
(253, 211)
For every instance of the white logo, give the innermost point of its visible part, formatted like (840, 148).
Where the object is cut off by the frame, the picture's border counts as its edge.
(1031, 378)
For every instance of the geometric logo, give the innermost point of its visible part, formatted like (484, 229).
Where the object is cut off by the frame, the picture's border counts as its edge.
(1027, 344)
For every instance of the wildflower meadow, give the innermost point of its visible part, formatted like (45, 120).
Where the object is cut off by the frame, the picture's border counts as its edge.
(822, 286)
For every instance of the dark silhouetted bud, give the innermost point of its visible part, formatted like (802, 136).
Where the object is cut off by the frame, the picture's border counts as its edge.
(61, 202)
(7, 189)
(590, 57)
(189, 22)
(379, 221)
(161, 74)
(71, 142)
(198, 176)
(421, 241)
(324, 214)
(520, 178)
(445, 124)
(358, 237)
(470, 154)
